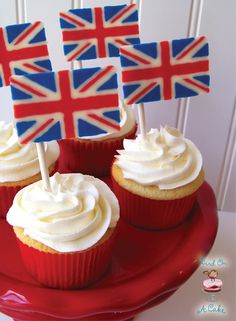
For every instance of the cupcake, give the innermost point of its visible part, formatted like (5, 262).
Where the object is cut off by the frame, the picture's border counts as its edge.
(94, 155)
(212, 285)
(156, 180)
(19, 164)
(66, 235)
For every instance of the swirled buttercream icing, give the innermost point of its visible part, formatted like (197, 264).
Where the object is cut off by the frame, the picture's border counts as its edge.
(72, 217)
(165, 159)
(127, 123)
(18, 162)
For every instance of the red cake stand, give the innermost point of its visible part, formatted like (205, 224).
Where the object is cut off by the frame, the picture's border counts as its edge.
(147, 267)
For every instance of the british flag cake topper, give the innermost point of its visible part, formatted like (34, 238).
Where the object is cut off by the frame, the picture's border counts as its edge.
(23, 50)
(65, 104)
(92, 33)
(165, 70)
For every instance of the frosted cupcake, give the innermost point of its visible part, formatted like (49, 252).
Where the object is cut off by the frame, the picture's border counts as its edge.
(66, 235)
(94, 155)
(156, 180)
(19, 164)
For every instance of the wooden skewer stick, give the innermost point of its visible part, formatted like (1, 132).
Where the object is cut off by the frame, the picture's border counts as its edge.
(22, 18)
(142, 121)
(77, 4)
(141, 109)
(43, 166)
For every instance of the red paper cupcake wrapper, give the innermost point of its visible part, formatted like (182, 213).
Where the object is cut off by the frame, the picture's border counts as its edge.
(152, 214)
(7, 194)
(90, 157)
(68, 270)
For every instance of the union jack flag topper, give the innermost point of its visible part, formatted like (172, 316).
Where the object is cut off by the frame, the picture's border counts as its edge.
(165, 70)
(65, 104)
(98, 32)
(23, 50)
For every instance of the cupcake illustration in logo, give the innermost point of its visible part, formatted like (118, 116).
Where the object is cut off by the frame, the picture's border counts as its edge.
(212, 284)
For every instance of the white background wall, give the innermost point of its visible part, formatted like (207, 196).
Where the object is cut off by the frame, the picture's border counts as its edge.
(211, 120)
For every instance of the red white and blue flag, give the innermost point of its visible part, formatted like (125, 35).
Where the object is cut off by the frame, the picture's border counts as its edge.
(99, 32)
(23, 50)
(65, 104)
(165, 70)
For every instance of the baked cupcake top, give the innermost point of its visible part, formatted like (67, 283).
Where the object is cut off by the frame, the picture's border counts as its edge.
(18, 162)
(165, 159)
(127, 123)
(74, 216)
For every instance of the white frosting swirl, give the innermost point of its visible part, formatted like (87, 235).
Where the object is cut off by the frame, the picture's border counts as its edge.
(127, 123)
(72, 217)
(18, 162)
(165, 159)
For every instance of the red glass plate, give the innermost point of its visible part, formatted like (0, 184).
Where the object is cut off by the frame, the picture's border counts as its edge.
(147, 267)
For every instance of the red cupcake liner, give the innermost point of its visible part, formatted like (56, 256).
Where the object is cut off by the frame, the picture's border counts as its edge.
(152, 214)
(90, 157)
(7, 194)
(68, 270)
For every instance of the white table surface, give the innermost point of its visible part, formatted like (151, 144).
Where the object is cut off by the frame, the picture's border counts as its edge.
(183, 305)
